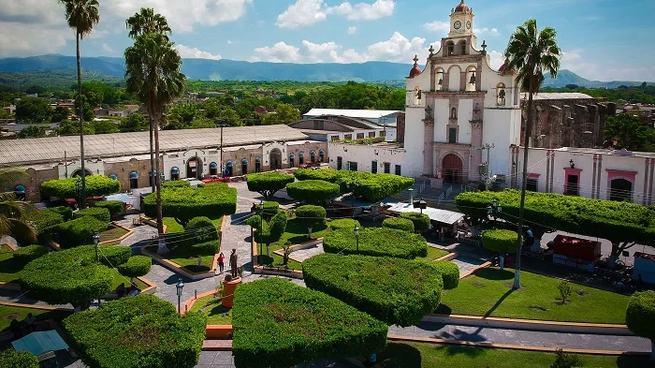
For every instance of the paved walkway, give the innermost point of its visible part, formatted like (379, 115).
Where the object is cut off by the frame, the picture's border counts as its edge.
(307, 253)
(224, 359)
(468, 257)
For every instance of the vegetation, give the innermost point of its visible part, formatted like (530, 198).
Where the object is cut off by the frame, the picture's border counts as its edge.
(176, 184)
(73, 276)
(311, 216)
(30, 253)
(449, 272)
(79, 231)
(268, 231)
(99, 213)
(489, 293)
(398, 223)
(65, 211)
(33, 131)
(183, 204)
(268, 183)
(378, 242)
(343, 224)
(14, 214)
(395, 291)
(500, 241)
(421, 221)
(630, 132)
(115, 208)
(33, 111)
(136, 266)
(150, 334)
(10, 267)
(640, 316)
(213, 308)
(11, 358)
(277, 323)
(312, 191)
(96, 185)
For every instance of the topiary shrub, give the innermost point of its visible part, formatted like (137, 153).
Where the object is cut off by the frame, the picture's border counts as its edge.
(279, 324)
(313, 191)
(330, 175)
(449, 272)
(311, 216)
(138, 332)
(73, 276)
(96, 185)
(268, 183)
(393, 290)
(79, 231)
(176, 184)
(65, 211)
(421, 221)
(30, 253)
(136, 266)
(640, 316)
(98, 213)
(116, 208)
(201, 230)
(398, 223)
(11, 358)
(377, 242)
(271, 208)
(45, 223)
(500, 241)
(343, 224)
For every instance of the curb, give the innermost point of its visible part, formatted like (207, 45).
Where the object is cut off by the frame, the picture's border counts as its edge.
(36, 306)
(177, 268)
(484, 265)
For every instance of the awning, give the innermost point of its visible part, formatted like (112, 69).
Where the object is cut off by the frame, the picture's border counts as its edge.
(38, 343)
(435, 214)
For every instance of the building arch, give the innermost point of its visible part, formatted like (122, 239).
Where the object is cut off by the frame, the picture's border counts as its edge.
(134, 180)
(453, 113)
(275, 158)
(194, 168)
(471, 78)
(113, 176)
(244, 166)
(229, 169)
(462, 47)
(439, 78)
(292, 160)
(258, 164)
(452, 168)
(301, 158)
(418, 96)
(321, 156)
(454, 75)
(501, 93)
(213, 168)
(450, 48)
(175, 173)
(620, 189)
(78, 172)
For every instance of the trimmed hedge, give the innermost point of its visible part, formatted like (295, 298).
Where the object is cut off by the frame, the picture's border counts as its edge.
(79, 231)
(313, 191)
(398, 223)
(139, 332)
(65, 211)
(279, 324)
(450, 273)
(212, 200)
(640, 315)
(268, 183)
(136, 266)
(393, 290)
(201, 230)
(500, 241)
(378, 242)
(176, 184)
(96, 185)
(73, 276)
(115, 207)
(271, 208)
(272, 230)
(206, 249)
(343, 224)
(30, 253)
(45, 221)
(330, 175)
(98, 213)
(311, 216)
(11, 358)
(421, 221)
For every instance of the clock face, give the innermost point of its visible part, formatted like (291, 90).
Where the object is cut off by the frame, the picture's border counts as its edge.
(458, 25)
(468, 25)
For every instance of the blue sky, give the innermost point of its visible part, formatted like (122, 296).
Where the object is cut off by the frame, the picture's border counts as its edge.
(602, 39)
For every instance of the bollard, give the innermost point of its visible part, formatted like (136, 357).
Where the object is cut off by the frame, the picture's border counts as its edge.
(195, 294)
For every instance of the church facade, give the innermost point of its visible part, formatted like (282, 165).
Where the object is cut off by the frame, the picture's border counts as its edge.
(462, 116)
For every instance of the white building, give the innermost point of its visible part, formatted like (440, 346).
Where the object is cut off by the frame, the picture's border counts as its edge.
(591, 173)
(387, 118)
(377, 158)
(457, 105)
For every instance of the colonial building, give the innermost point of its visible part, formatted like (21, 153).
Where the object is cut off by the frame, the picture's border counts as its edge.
(458, 107)
(191, 153)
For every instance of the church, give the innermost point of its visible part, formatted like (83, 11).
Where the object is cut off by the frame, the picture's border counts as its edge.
(462, 116)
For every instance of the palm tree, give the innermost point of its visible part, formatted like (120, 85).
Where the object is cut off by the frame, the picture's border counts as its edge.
(153, 74)
(143, 22)
(13, 213)
(82, 16)
(531, 54)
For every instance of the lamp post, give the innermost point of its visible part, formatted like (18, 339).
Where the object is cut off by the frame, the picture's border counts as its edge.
(96, 240)
(78, 190)
(495, 208)
(180, 288)
(357, 237)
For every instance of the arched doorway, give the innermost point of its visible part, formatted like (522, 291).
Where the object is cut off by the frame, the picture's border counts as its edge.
(175, 173)
(134, 180)
(244, 166)
(78, 172)
(301, 158)
(213, 168)
(19, 190)
(292, 160)
(276, 159)
(194, 168)
(258, 164)
(312, 156)
(229, 169)
(452, 169)
(620, 190)
(321, 156)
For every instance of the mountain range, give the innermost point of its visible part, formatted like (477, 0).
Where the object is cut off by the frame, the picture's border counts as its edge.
(204, 69)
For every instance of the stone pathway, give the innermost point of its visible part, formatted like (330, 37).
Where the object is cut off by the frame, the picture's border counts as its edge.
(224, 359)
(468, 257)
(307, 253)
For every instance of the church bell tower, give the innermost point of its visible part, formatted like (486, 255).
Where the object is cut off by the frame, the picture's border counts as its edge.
(461, 21)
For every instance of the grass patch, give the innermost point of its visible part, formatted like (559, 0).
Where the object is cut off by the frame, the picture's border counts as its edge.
(433, 254)
(186, 259)
(6, 314)
(118, 279)
(174, 227)
(112, 233)
(296, 233)
(277, 261)
(418, 355)
(489, 293)
(9, 267)
(216, 313)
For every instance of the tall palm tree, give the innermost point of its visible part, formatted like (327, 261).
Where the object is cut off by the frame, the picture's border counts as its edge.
(143, 22)
(531, 54)
(82, 16)
(153, 74)
(13, 213)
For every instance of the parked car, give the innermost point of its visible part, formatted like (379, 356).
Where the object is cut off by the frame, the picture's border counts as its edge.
(215, 179)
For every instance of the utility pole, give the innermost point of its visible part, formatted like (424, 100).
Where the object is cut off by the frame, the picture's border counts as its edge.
(488, 148)
(65, 165)
(221, 154)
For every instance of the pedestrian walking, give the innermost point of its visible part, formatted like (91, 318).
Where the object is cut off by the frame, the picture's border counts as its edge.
(233, 263)
(30, 322)
(221, 262)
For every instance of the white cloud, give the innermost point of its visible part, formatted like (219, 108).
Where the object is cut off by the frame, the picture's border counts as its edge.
(437, 26)
(195, 53)
(397, 48)
(107, 49)
(279, 53)
(352, 30)
(496, 59)
(485, 30)
(304, 13)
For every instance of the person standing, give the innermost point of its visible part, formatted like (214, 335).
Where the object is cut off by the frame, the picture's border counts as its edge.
(221, 262)
(233, 262)
(30, 322)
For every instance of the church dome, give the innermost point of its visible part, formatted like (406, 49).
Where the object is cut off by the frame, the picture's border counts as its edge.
(504, 68)
(416, 70)
(462, 8)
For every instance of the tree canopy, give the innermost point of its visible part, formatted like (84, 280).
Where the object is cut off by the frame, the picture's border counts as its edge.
(629, 132)
(640, 315)
(312, 191)
(96, 185)
(268, 183)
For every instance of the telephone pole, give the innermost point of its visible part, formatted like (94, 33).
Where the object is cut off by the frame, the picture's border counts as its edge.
(487, 147)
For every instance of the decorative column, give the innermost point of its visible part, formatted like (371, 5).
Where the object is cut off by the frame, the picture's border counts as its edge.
(428, 142)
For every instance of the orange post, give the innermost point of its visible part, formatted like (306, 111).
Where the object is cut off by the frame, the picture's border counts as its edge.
(228, 291)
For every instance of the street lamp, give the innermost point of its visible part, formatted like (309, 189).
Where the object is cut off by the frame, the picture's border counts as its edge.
(180, 288)
(357, 237)
(96, 240)
(78, 191)
(495, 208)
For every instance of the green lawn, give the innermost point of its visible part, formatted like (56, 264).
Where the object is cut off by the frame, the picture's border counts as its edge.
(417, 355)
(9, 268)
(187, 260)
(6, 314)
(118, 279)
(216, 313)
(113, 232)
(489, 293)
(276, 261)
(296, 233)
(433, 254)
(174, 227)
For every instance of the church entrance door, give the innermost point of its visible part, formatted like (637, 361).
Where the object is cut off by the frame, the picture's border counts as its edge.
(452, 169)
